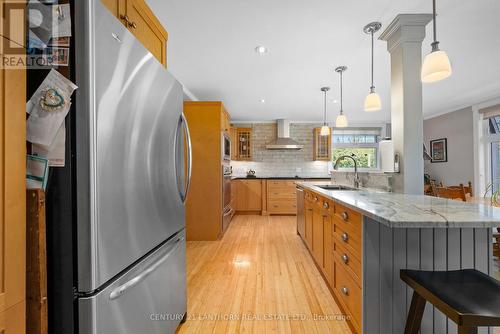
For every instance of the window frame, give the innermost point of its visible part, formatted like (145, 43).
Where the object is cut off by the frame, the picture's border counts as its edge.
(364, 130)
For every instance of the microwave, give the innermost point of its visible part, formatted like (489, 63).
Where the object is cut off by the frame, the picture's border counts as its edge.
(226, 147)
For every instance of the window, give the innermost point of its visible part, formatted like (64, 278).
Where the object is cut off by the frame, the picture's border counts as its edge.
(361, 142)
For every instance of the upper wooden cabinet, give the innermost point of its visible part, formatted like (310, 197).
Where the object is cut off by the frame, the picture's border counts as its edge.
(322, 146)
(225, 120)
(141, 21)
(243, 144)
(234, 142)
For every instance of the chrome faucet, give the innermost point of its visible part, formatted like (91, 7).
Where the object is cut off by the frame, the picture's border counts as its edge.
(356, 176)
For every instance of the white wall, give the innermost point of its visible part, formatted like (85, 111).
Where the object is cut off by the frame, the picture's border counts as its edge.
(457, 127)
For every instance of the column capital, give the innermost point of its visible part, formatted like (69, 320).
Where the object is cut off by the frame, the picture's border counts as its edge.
(405, 28)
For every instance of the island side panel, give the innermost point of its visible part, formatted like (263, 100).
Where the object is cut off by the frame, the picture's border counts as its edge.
(387, 250)
(371, 279)
(440, 263)
(453, 245)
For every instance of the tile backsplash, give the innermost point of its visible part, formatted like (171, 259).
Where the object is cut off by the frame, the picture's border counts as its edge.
(281, 162)
(268, 163)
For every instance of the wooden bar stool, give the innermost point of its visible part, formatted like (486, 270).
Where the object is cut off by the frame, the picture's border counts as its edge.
(468, 297)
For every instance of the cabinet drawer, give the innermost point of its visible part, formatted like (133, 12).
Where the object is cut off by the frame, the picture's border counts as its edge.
(348, 292)
(282, 194)
(346, 259)
(348, 219)
(350, 241)
(280, 184)
(284, 206)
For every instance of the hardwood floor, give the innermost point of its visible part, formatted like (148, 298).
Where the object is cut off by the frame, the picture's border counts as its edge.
(258, 279)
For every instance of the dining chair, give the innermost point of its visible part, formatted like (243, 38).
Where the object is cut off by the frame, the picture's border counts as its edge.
(450, 193)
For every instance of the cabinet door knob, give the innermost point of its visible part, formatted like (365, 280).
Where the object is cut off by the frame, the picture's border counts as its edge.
(132, 25)
(345, 291)
(345, 216)
(315, 199)
(345, 258)
(125, 18)
(345, 236)
(325, 205)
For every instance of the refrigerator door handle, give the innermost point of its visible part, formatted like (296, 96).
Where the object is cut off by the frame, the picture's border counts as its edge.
(183, 128)
(189, 157)
(119, 291)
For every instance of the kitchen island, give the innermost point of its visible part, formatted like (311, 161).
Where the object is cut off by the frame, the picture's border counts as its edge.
(360, 239)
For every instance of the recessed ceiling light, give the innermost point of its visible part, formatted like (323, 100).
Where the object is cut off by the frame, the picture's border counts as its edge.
(261, 49)
(335, 101)
(262, 101)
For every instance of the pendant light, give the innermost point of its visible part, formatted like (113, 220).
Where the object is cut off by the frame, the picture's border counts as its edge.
(372, 101)
(436, 66)
(341, 121)
(325, 129)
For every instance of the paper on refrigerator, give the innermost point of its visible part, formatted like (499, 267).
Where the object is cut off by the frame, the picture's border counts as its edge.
(48, 107)
(55, 153)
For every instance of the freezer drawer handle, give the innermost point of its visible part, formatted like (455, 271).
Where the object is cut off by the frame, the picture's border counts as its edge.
(116, 293)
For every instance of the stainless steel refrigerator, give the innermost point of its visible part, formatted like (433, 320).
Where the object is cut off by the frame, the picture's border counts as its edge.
(132, 170)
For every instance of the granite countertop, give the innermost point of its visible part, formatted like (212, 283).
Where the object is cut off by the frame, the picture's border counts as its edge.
(267, 177)
(412, 211)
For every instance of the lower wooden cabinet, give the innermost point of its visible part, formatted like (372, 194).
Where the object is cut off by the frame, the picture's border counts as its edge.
(248, 195)
(281, 197)
(13, 319)
(334, 241)
(317, 246)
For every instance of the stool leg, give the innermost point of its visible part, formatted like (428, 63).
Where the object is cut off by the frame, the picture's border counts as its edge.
(415, 314)
(467, 330)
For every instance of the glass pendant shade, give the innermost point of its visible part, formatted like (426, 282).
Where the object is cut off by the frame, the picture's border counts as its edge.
(436, 67)
(325, 130)
(341, 121)
(373, 102)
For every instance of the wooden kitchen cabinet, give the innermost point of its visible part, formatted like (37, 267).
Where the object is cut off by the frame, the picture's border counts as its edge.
(248, 195)
(328, 242)
(225, 121)
(204, 206)
(332, 235)
(243, 144)
(322, 149)
(141, 21)
(317, 246)
(13, 199)
(308, 212)
(233, 133)
(281, 197)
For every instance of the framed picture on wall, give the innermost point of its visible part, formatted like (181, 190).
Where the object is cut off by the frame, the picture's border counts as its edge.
(439, 150)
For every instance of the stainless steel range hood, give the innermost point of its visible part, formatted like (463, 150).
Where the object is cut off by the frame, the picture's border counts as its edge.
(284, 142)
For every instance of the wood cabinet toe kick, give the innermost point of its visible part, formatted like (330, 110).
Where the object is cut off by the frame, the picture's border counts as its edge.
(360, 258)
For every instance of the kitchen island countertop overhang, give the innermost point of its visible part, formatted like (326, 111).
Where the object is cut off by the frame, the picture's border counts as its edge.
(411, 211)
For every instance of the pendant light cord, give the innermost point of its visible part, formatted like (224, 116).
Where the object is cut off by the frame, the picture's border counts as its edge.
(372, 87)
(324, 117)
(434, 19)
(341, 102)
(435, 44)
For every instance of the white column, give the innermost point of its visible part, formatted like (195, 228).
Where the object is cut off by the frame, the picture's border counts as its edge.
(404, 38)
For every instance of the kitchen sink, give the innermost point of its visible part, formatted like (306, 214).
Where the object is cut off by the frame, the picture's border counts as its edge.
(334, 187)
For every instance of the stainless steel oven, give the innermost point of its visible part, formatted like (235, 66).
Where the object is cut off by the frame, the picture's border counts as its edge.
(227, 212)
(226, 147)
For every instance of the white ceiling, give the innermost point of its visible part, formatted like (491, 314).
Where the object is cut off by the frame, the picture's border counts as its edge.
(211, 51)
